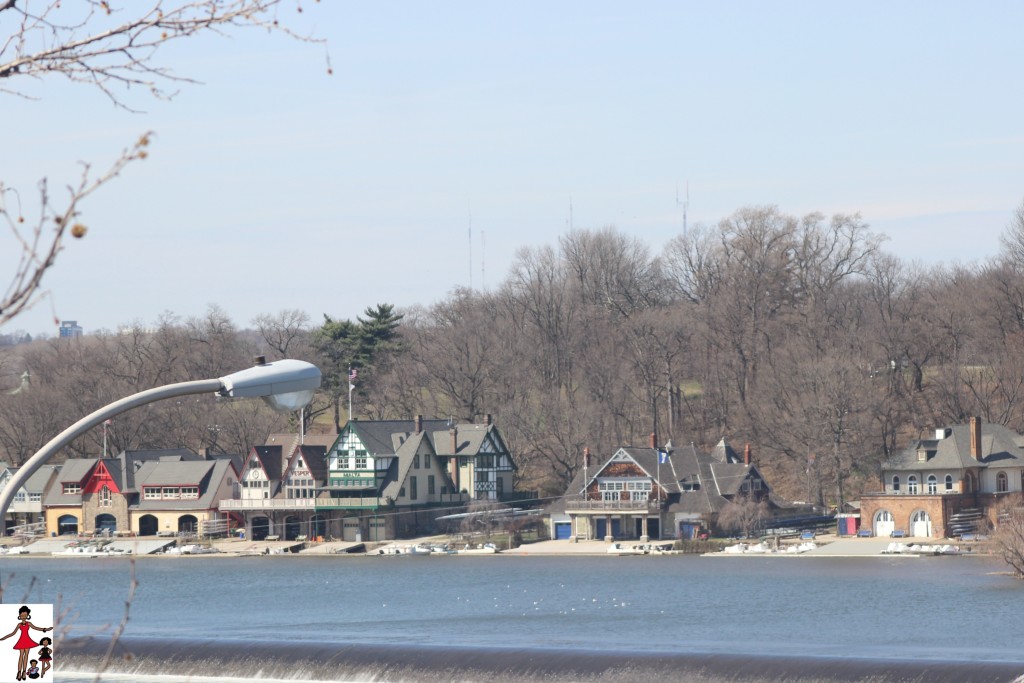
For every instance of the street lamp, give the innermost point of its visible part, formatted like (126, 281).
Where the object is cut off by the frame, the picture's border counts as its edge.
(286, 385)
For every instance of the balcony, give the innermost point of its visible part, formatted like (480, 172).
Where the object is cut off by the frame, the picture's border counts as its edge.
(268, 504)
(584, 505)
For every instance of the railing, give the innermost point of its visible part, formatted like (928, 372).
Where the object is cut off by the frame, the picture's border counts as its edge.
(582, 504)
(919, 492)
(323, 503)
(269, 504)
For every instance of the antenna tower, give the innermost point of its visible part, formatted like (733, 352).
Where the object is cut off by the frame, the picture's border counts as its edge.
(684, 203)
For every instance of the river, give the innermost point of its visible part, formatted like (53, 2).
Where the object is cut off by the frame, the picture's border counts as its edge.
(576, 618)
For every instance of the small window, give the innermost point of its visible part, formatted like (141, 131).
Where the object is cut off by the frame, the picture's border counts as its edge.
(1002, 483)
(912, 484)
(949, 482)
(426, 461)
(416, 461)
(896, 484)
(933, 484)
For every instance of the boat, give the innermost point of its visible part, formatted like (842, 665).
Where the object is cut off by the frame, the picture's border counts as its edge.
(622, 549)
(90, 549)
(484, 549)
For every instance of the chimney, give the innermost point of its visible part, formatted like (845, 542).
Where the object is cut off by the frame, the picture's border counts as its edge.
(419, 423)
(976, 438)
(453, 461)
(586, 457)
(654, 439)
(487, 419)
(746, 455)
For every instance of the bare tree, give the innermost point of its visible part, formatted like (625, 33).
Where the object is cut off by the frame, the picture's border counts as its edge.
(1012, 239)
(114, 49)
(285, 331)
(1008, 536)
(744, 515)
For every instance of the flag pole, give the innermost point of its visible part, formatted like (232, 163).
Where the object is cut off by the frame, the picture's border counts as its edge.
(350, 388)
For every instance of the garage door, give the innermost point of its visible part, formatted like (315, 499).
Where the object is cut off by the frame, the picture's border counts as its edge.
(378, 530)
(563, 530)
(350, 529)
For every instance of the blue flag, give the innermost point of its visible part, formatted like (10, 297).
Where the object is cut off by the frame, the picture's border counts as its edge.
(662, 457)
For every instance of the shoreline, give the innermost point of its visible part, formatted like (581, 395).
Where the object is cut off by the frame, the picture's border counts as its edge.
(828, 547)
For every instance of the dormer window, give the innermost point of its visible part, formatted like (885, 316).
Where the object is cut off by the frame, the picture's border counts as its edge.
(71, 488)
(922, 455)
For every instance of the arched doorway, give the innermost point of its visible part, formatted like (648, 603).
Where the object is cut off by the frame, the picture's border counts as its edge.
(260, 528)
(188, 524)
(884, 523)
(67, 524)
(106, 523)
(292, 528)
(921, 524)
(148, 525)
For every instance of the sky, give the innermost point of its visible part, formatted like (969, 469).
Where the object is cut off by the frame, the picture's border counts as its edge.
(452, 134)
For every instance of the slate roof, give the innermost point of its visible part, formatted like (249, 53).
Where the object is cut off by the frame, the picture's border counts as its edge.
(271, 458)
(207, 474)
(378, 436)
(74, 470)
(720, 474)
(1000, 447)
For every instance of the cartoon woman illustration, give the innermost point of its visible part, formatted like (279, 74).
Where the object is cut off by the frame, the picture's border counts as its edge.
(25, 642)
(45, 655)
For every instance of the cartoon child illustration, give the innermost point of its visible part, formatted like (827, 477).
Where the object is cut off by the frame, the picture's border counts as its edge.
(33, 668)
(45, 655)
(25, 642)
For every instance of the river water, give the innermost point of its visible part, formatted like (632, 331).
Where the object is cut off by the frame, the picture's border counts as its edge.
(571, 618)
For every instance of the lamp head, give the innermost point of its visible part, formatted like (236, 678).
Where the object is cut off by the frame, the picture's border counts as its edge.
(286, 385)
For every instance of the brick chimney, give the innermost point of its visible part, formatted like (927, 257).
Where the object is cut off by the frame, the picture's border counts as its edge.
(454, 431)
(487, 419)
(976, 439)
(654, 439)
(419, 423)
(746, 455)
(586, 456)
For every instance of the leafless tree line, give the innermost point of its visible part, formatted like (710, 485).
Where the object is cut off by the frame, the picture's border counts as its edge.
(801, 336)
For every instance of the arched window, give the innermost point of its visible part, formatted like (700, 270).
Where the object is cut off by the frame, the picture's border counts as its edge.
(1002, 483)
(933, 484)
(912, 484)
(895, 483)
(949, 482)
(105, 496)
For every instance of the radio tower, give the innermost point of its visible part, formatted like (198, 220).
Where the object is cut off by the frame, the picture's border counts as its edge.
(684, 203)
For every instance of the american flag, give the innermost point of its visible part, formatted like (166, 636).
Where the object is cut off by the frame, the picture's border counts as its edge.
(352, 374)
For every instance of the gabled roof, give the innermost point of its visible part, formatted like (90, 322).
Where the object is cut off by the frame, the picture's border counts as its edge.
(73, 471)
(271, 458)
(1000, 447)
(206, 474)
(314, 459)
(719, 475)
(378, 436)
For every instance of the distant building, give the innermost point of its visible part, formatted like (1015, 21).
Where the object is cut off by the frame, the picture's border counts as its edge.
(70, 328)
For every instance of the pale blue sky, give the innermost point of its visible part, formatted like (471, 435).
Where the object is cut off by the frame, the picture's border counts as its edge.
(273, 185)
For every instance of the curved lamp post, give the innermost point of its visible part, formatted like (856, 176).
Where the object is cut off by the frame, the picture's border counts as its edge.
(286, 385)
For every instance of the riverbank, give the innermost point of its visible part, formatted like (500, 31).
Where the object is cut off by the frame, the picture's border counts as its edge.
(826, 545)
